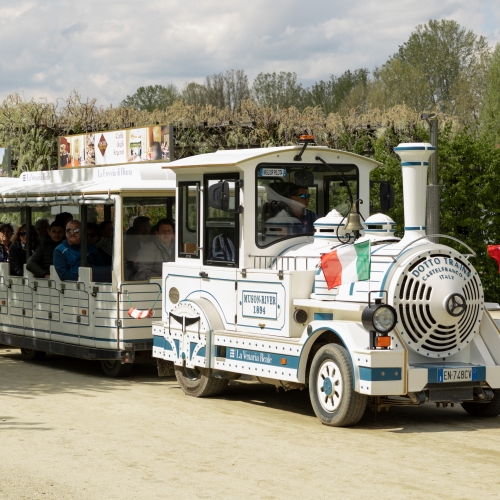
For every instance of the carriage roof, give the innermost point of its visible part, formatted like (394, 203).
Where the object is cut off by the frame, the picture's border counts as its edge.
(73, 184)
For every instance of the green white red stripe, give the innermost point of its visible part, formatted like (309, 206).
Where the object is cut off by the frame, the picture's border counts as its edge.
(346, 264)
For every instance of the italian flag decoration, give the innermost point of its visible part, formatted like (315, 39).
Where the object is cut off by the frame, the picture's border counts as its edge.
(346, 264)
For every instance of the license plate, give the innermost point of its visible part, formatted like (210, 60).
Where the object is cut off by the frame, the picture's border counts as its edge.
(457, 374)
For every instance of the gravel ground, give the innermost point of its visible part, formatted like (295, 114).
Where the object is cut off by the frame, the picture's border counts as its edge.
(67, 432)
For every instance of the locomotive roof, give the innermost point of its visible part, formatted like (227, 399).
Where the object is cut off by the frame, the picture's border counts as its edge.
(235, 157)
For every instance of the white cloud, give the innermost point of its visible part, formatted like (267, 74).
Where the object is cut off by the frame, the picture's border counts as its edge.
(108, 49)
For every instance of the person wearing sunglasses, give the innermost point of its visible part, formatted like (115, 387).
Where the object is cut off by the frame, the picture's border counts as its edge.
(17, 250)
(301, 198)
(67, 257)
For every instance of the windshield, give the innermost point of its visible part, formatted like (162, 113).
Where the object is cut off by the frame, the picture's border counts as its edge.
(291, 197)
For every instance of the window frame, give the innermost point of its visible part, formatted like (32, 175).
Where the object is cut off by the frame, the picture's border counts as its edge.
(232, 176)
(321, 208)
(180, 221)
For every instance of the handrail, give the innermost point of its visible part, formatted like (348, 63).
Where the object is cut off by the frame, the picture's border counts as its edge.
(273, 260)
(473, 254)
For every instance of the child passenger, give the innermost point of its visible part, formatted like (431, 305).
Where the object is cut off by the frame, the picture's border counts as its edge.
(39, 263)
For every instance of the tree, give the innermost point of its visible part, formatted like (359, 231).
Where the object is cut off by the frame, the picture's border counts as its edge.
(195, 94)
(278, 90)
(440, 66)
(331, 95)
(152, 97)
(490, 112)
(227, 90)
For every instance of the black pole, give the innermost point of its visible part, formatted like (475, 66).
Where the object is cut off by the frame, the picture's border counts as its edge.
(83, 236)
(107, 212)
(28, 232)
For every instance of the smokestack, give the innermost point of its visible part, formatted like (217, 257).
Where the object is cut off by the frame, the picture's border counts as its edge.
(414, 162)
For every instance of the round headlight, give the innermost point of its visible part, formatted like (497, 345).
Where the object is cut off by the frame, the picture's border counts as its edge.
(380, 318)
(384, 319)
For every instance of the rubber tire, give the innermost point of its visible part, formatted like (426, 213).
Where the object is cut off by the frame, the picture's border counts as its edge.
(489, 409)
(32, 354)
(200, 385)
(116, 368)
(352, 404)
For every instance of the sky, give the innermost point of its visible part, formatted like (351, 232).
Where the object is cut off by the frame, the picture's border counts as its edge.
(106, 49)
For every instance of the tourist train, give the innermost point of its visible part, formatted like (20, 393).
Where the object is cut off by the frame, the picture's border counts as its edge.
(280, 274)
(258, 287)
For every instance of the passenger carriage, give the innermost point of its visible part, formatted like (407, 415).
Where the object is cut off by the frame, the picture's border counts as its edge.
(246, 295)
(86, 318)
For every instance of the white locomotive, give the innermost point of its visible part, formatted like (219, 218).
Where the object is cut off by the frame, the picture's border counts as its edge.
(246, 295)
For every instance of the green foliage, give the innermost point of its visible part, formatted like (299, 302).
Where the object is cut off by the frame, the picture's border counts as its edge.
(151, 97)
(278, 90)
(441, 66)
(490, 113)
(331, 95)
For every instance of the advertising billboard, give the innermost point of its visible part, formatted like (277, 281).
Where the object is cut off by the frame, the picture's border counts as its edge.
(135, 145)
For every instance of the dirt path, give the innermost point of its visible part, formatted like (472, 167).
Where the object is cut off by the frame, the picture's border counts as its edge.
(67, 432)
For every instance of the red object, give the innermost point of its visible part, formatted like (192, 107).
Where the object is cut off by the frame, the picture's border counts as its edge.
(332, 269)
(494, 253)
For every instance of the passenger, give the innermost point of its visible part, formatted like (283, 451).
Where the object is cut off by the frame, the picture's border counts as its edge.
(42, 228)
(39, 263)
(17, 251)
(6, 232)
(135, 237)
(157, 251)
(63, 218)
(104, 245)
(300, 195)
(67, 255)
(106, 227)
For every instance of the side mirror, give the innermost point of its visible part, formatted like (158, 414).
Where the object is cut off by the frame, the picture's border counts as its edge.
(386, 196)
(218, 196)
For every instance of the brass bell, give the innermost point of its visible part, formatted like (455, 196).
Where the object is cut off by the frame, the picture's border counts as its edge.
(353, 221)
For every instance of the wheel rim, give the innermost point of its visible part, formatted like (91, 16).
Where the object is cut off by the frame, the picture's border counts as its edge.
(109, 364)
(329, 386)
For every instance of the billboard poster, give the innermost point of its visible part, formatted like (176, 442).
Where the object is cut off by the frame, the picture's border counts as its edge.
(136, 145)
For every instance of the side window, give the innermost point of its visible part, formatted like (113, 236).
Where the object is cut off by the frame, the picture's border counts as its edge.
(221, 240)
(189, 220)
(149, 237)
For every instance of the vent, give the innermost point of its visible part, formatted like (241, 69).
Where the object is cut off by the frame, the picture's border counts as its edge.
(300, 316)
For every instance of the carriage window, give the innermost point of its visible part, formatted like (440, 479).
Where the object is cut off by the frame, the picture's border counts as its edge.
(222, 226)
(291, 197)
(149, 237)
(189, 219)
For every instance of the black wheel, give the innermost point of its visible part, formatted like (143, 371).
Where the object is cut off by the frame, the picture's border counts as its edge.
(115, 368)
(32, 355)
(331, 388)
(197, 383)
(488, 409)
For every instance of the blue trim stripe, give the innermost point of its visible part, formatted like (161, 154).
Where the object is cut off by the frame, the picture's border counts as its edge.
(415, 228)
(261, 358)
(323, 316)
(380, 374)
(414, 163)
